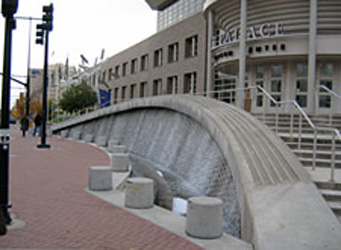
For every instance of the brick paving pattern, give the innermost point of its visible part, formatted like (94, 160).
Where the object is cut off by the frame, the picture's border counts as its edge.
(47, 188)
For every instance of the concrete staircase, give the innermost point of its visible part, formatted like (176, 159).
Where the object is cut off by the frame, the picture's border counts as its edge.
(303, 148)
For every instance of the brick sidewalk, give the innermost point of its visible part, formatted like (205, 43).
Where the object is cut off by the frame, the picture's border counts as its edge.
(47, 188)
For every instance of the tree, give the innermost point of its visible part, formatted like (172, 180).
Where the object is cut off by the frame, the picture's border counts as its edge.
(78, 97)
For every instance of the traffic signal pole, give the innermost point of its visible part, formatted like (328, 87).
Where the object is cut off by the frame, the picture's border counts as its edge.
(9, 7)
(43, 31)
(45, 85)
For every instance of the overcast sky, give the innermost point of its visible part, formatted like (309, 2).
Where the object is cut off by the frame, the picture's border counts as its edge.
(80, 27)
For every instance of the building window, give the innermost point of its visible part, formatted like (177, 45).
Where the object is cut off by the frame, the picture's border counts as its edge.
(133, 68)
(157, 87)
(172, 85)
(117, 72)
(103, 76)
(116, 95)
(124, 69)
(158, 58)
(190, 83)
(123, 93)
(326, 80)
(260, 82)
(173, 52)
(144, 62)
(301, 84)
(191, 47)
(133, 90)
(276, 83)
(143, 89)
(110, 74)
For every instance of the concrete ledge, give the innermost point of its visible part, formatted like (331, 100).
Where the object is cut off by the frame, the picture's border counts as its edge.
(204, 217)
(119, 162)
(100, 178)
(139, 193)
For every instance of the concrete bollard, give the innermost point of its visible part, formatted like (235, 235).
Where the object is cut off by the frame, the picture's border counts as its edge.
(100, 178)
(64, 133)
(76, 135)
(119, 162)
(101, 141)
(88, 137)
(116, 149)
(204, 217)
(139, 193)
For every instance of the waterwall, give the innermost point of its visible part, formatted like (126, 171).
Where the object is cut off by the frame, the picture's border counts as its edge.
(205, 147)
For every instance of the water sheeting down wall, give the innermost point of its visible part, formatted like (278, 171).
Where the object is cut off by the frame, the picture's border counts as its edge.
(180, 148)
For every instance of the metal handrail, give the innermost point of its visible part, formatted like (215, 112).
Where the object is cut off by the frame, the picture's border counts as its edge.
(334, 132)
(329, 91)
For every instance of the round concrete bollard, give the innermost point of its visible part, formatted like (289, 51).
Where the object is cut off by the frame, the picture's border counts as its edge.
(64, 133)
(204, 217)
(100, 178)
(101, 141)
(119, 162)
(117, 149)
(88, 137)
(139, 193)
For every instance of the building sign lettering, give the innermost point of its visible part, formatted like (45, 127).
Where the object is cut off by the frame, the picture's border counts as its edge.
(252, 33)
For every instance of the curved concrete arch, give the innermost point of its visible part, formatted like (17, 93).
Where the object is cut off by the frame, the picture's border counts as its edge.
(272, 190)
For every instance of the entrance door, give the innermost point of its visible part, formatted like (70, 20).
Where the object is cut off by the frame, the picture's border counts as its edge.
(271, 79)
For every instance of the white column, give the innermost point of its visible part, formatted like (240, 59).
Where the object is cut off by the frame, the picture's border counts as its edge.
(242, 53)
(312, 57)
(209, 66)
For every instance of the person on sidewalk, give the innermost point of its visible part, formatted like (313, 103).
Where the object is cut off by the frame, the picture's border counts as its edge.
(24, 124)
(37, 124)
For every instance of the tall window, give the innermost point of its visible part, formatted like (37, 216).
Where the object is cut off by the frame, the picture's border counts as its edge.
(172, 85)
(260, 82)
(123, 93)
(117, 71)
(143, 89)
(110, 74)
(116, 95)
(276, 83)
(301, 84)
(144, 62)
(133, 66)
(191, 46)
(326, 79)
(157, 87)
(190, 83)
(173, 52)
(124, 69)
(133, 90)
(158, 58)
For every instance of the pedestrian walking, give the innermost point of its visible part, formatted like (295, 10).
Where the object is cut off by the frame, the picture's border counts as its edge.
(24, 122)
(37, 124)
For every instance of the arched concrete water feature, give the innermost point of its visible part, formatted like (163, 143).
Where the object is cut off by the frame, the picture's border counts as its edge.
(205, 147)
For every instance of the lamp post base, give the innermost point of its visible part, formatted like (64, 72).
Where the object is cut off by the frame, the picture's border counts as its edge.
(43, 146)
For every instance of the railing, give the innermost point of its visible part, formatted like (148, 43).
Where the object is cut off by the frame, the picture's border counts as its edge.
(302, 116)
(330, 92)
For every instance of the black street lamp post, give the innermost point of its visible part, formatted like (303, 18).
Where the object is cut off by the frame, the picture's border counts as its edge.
(9, 8)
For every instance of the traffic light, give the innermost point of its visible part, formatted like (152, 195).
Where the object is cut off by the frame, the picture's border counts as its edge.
(9, 7)
(48, 16)
(46, 26)
(40, 34)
